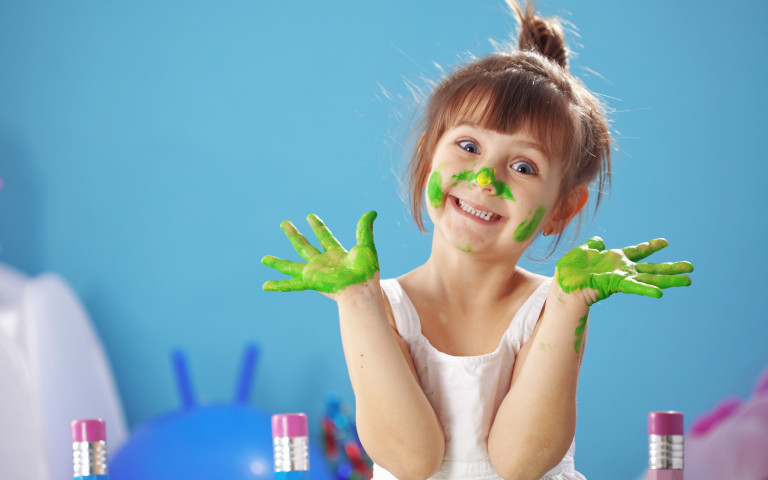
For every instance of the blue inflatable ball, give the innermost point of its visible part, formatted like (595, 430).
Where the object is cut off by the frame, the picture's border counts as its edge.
(214, 442)
(208, 442)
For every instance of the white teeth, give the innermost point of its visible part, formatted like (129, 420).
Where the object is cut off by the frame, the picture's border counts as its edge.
(478, 213)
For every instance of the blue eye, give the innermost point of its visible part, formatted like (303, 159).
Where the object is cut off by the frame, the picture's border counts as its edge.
(524, 167)
(469, 146)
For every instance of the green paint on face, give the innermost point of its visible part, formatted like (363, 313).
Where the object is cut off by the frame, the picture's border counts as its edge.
(464, 176)
(591, 266)
(503, 191)
(466, 249)
(435, 190)
(525, 230)
(332, 270)
(485, 176)
(579, 332)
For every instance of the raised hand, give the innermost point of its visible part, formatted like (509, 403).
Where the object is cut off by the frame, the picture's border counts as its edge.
(330, 271)
(591, 266)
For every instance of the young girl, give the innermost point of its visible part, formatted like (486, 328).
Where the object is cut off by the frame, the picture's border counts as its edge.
(466, 367)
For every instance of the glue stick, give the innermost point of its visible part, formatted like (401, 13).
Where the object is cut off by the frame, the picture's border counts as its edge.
(666, 443)
(89, 449)
(290, 439)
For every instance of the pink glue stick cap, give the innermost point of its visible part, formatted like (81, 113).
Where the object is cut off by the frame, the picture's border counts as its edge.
(289, 425)
(665, 423)
(91, 430)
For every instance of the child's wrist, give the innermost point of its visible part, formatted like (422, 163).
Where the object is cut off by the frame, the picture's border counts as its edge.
(573, 300)
(365, 292)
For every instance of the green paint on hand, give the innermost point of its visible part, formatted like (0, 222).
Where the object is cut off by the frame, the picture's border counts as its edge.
(579, 332)
(591, 266)
(525, 230)
(332, 270)
(485, 176)
(435, 190)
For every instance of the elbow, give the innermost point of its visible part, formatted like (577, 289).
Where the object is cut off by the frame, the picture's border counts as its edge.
(528, 463)
(415, 471)
(417, 464)
(517, 469)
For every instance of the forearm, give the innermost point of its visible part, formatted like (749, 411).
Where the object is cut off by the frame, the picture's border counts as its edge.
(536, 421)
(396, 423)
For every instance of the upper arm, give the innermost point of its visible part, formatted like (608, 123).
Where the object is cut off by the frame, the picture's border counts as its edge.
(400, 342)
(524, 350)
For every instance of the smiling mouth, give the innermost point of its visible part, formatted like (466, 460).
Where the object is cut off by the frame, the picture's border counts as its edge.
(482, 214)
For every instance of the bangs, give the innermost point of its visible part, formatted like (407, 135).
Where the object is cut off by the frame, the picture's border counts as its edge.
(510, 103)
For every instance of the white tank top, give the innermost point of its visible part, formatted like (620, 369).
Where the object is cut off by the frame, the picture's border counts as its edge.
(466, 392)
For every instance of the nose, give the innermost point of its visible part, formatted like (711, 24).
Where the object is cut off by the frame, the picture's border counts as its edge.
(485, 177)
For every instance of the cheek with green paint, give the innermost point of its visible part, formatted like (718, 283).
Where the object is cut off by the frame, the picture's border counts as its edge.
(527, 228)
(435, 193)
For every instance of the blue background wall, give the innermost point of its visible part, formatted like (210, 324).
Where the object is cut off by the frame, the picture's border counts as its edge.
(150, 149)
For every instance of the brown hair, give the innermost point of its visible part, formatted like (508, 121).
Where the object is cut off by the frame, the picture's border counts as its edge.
(526, 88)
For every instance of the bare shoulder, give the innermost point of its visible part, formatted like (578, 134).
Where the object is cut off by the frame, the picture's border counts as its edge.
(528, 282)
(411, 283)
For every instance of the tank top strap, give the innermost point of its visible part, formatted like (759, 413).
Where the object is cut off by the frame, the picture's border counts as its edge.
(523, 323)
(406, 319)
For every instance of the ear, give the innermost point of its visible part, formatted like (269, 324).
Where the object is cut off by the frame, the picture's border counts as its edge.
(573, 205)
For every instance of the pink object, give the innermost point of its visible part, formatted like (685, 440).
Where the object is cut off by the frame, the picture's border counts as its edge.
(91, 430)
(732, 440)
(665, 423)
(720, 413)
(289, 425)
(665, 475)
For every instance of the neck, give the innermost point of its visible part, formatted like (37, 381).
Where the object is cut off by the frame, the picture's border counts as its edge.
(472, 278)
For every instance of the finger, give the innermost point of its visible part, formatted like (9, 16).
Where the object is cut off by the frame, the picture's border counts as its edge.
(365, 229)
(642, 250)
(305, 249)
(634, 287)
(669, 268)
(596, 243)
(289, 285)
(324, 236)
(283, 266)
(664, 281)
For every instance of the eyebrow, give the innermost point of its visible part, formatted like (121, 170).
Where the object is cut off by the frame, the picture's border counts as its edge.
(532, 145)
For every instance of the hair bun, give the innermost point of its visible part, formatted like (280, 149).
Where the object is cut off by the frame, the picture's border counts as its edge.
(542, 35)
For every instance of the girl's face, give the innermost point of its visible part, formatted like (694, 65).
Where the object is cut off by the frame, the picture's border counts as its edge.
(491, 191)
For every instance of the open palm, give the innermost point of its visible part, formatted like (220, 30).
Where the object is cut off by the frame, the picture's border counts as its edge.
(331, 270)
(591, 266)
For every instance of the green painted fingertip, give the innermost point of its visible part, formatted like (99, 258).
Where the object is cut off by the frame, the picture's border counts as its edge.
(286, 224)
